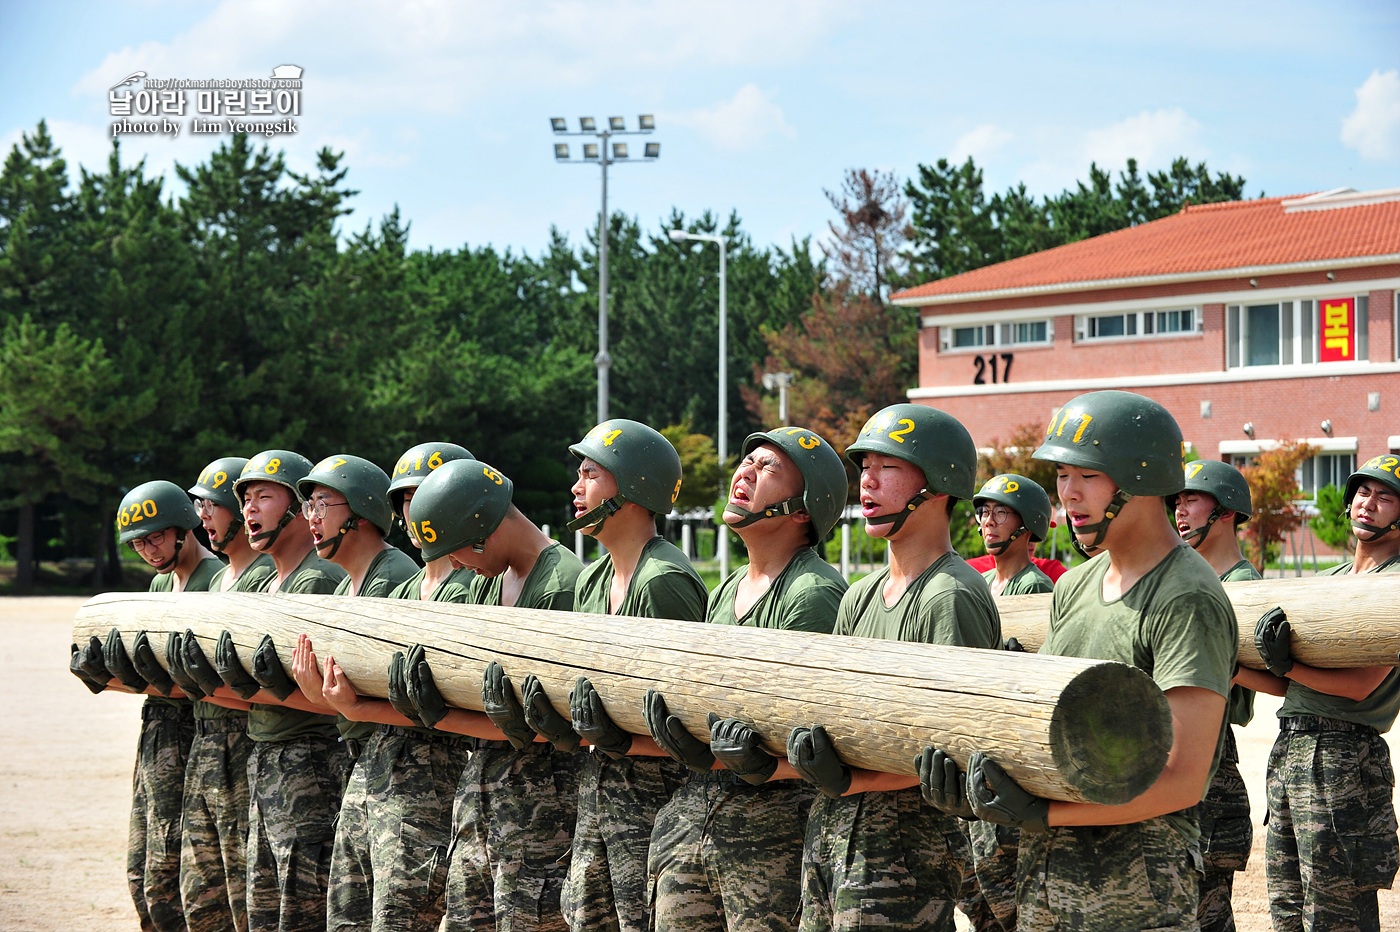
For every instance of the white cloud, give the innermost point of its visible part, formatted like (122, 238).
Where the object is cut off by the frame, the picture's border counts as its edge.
(743, 122)
(1373, 129)
(1150, 137)
(980, 143)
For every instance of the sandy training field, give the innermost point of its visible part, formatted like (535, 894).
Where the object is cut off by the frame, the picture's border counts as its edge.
(65, 773)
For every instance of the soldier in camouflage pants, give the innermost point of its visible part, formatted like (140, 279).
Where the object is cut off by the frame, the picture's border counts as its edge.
(157, 805)
(212, 878)
(1226, 837)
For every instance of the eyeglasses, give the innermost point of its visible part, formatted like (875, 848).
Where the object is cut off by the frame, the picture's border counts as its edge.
(204, 507)
(999, 514)
(317, 508)
(154, 541)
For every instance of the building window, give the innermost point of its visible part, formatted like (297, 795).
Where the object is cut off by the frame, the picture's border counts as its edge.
(1008, 334)
(1182, 321)
(1290, 333)
(1326, 469)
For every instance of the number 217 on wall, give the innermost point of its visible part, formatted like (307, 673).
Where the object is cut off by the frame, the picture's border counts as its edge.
(988, 364)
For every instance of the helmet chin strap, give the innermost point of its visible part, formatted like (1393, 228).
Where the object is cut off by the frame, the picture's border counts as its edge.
(233, 529)
(1100, 527)
(897, 518)
(597, 516)
(1001, 546)
(1375, 530)
(271, 536)
(1197, 535)
(791, 506)
(351, 523)
(169, 565)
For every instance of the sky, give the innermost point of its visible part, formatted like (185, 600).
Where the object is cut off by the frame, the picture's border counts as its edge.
(443, 108)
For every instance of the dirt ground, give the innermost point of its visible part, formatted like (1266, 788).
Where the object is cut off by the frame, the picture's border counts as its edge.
(65, 786)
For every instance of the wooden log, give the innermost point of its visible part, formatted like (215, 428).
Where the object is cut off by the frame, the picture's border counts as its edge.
(1065, 728)
(1337, 621)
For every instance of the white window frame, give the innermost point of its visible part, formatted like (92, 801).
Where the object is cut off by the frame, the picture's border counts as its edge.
(1301, 332)
(1002, 332)
(1139, 325)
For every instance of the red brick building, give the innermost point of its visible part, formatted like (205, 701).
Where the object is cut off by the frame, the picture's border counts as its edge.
(1252, 321)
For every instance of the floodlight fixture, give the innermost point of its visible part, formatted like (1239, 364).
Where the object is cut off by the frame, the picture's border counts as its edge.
(619, 150)
(587, 125)
(590, 151)
(617, 124)
(646, 122)
(558, 124)
(561, 150)
(678, 236)
(653, 150)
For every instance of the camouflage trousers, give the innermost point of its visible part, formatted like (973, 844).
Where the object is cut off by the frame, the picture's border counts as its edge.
(389, 863)
(606, 890)
(881, 860)
(1226, 837)
(728, 856)
(1331, 839)
(1108, 878)
(294, 790)
(513, 823)
(213, 866)
(988, 895)
(157, 802)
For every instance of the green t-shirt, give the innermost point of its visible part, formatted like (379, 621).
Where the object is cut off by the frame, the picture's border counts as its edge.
(1029, 581)
(803, 597)
(312, 576)
(452, 589)
(664, 585)
(1175, 624)
(948, 603)
(205, 572)
(1239, 708)
(387, 571)
(256, 578)
(1377, 710)
(549, 585)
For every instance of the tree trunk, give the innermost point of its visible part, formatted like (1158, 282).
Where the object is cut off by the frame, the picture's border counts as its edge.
(24, 549)
(1063, 727)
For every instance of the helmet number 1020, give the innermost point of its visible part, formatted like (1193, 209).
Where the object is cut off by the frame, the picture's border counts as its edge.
(989, 362)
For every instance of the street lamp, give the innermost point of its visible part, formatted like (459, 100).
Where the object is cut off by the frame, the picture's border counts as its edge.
(599, 153)
(680, 236)
(781, 381)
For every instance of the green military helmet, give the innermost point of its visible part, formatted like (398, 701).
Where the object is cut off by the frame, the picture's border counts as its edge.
(824, 476)
(1022, 495)
(1128, 437)
(645, 466)
(216, 482)
(282, 467)
(1384, 469)
(459, 504)
(364, 485)
(1224, 483)
(932, 440)
(415, 465)
(154, 506)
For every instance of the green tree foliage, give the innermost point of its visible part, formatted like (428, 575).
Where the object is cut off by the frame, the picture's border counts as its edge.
(1273, 486)
(1331, 524)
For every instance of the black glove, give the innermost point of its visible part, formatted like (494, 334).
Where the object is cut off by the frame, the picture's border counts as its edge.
(117, 660)
(91, 662)
(995, 797)
(175, 663)
(670, 733)
(1013, 644)
(231, 669)
(1273, 638)
(498, 696)
(811, 753)
(143, 658)
(197, 665)
(75, 667)
(943, 784)
(737, 746)
(541, 715)
(592, 722)
(398, 689)
(269, 672)
(422, 689)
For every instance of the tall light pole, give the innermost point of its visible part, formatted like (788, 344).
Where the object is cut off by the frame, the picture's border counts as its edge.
(680, 236)
(781, 381)
(597, 152)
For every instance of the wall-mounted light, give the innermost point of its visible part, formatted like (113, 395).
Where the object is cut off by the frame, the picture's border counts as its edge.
(1331, 276)
(1254, 283)
(1327, 427)
(1249, 428)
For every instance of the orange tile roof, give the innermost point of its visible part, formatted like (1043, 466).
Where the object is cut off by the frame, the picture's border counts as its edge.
(1201, 240)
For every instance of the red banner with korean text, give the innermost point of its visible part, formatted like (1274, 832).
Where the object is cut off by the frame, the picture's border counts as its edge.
(1338, 330)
